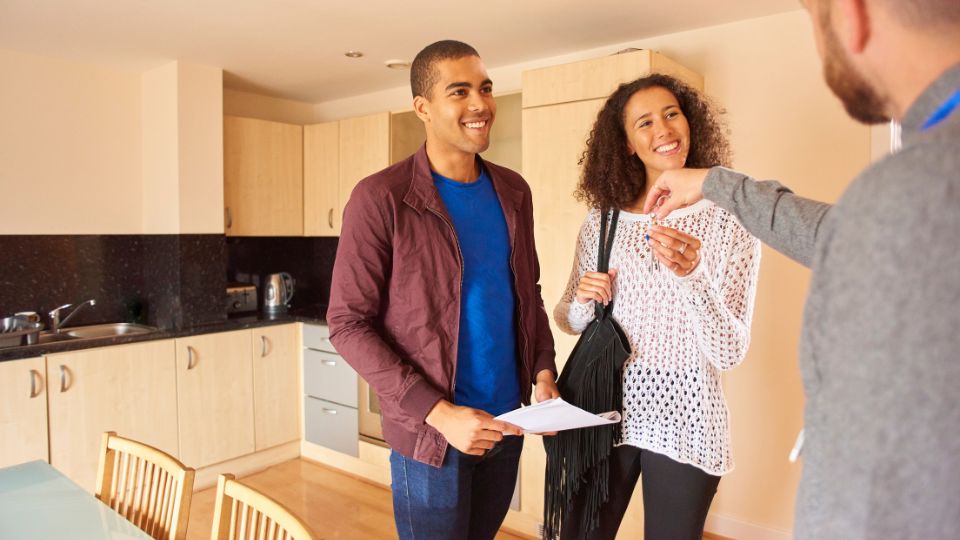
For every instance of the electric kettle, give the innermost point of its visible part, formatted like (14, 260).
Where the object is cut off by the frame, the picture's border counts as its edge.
(277, 292)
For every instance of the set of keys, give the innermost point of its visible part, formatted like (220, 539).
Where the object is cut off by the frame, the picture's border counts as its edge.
(653, 264)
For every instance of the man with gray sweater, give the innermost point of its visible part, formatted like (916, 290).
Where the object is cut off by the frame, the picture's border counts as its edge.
(880, 349)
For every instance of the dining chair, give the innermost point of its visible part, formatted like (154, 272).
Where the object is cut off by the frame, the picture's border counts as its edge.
(242, 513)
(149, 487)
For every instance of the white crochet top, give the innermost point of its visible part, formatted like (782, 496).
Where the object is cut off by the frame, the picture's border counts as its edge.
(683, 331)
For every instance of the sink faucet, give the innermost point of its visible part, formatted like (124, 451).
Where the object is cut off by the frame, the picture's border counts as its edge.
(56, 324)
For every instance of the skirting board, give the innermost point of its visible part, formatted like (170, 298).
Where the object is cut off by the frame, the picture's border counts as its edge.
(729, 527)
(723, 526)
(372, 465)
(246, 465)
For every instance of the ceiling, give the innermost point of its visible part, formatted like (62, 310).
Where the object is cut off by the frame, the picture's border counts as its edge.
(294, 48)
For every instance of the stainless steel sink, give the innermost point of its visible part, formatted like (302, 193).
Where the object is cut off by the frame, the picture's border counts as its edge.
(46, 337)
(106, 330)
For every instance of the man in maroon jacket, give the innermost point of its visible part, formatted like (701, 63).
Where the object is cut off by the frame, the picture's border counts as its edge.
(435, 303)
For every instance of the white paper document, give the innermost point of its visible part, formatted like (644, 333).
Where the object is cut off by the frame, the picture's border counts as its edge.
(556, 415)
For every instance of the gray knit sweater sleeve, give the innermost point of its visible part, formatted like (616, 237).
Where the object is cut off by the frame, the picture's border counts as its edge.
(769, 210)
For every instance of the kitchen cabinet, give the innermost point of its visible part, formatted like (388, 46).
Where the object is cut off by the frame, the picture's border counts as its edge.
(276, 378)
(263, 177)
(287, 180)
(214, 394)
(23, 411)
(130, 389)
(364, 150)
(321, 179)
(330, 414)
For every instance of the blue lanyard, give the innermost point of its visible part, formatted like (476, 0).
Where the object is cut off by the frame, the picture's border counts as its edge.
(943, 112)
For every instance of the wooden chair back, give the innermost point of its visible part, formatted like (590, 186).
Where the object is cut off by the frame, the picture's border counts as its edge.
(145, 485)
(243, 513)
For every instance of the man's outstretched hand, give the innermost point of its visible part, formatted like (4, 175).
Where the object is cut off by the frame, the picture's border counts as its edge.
(675, 189)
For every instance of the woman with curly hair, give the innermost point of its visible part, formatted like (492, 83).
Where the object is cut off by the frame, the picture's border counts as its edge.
(684, 290)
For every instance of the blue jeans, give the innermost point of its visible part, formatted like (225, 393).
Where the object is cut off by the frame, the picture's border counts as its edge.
(467, 498)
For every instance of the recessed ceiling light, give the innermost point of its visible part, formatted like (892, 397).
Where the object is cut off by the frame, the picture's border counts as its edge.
(397, 64)
(353, 54)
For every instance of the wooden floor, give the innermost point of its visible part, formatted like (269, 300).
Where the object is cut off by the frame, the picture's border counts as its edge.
(333, 504)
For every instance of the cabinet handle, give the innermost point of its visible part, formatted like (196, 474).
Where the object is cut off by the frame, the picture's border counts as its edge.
(330, 218)
(329, 362)
(329, 411)
(190, 354)
(64, 373)
(35, 378)
(229, 217)
(264, 346)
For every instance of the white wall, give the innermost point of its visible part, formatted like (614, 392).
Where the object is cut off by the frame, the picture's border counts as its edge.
(90, 150)
(69, 147)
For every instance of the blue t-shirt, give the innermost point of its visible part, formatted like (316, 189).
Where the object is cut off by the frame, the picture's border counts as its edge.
(487, 368)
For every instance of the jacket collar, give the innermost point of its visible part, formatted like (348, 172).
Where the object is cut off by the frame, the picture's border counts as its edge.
(928, 101)
(422, 193)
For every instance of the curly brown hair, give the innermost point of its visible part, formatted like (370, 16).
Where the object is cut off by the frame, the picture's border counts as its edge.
(612, 177)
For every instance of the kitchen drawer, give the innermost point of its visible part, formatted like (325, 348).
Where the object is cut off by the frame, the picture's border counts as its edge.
(328, 376)
(331, 425)
(317, 337)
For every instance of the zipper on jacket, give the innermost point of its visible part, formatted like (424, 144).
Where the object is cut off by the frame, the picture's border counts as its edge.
(523, 334)
(453, 380)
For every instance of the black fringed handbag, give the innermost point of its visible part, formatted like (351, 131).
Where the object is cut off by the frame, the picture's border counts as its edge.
(578, 459)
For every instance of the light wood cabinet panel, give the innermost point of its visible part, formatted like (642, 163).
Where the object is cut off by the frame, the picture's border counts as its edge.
(214, 397)
(554, 137)
(321, 179)
(597, 78)
(364, 150)
(23, 411)
(263, 177)
(276, 385)
(407, 135)
(130, 389)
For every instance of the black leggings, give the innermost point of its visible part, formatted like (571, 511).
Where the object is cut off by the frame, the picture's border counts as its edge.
(676, 498)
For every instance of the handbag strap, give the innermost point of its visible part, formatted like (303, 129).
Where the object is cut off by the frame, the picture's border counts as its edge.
(603, 254)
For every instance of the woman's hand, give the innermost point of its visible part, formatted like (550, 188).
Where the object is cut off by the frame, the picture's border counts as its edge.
(596, 286)
(677, 250)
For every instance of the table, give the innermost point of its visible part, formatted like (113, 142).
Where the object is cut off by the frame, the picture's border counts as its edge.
(37, 501)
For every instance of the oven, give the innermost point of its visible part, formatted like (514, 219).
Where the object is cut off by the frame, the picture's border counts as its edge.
(369, 414)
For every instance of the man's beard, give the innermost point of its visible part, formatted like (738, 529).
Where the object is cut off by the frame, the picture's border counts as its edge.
(861, 101)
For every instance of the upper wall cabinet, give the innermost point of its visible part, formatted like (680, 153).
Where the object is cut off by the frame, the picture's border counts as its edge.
(336, 156)
(287, 180)
(263, 177)
(321, 179)
(364, 150)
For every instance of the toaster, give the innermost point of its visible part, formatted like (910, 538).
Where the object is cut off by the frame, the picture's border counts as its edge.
(241, 297)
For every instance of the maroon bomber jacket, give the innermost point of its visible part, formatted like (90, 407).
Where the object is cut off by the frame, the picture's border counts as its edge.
(394, 309)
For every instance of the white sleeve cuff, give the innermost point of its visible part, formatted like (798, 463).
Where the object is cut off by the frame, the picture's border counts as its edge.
(579, 314)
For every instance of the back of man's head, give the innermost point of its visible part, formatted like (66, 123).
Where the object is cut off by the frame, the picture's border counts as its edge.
(423, 74)
(924, 14)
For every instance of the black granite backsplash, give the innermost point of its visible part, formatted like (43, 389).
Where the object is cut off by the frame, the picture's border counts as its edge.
(169, 281)
(309, 260)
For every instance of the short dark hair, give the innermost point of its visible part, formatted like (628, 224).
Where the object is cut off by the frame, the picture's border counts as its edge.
(613, 177)
(422, 73)
(926, 13)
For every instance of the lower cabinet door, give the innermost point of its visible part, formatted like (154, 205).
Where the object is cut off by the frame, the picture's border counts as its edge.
(215, 397)
(331, 425)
